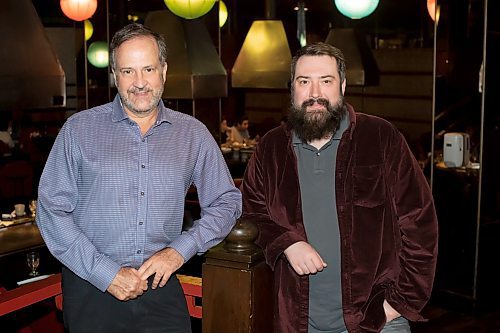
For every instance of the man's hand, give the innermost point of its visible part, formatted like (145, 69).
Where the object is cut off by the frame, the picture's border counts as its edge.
(390, 313)
(127, 284)
(304, 258)
(163, 264)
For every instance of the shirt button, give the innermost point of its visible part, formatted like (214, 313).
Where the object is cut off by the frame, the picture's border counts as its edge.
(142, 193)
(138, 251)
(143, 140)
(141, 223)
(143, 166)
(318, 154)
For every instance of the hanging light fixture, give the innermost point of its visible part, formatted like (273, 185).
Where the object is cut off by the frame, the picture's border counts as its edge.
(265, 57)
(78, 10)
(189, 9)
(88, 27)
(222, 13)
(356, 9)
(98, 54)
(431, 8)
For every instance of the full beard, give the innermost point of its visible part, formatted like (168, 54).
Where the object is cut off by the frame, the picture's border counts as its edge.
(319, 124)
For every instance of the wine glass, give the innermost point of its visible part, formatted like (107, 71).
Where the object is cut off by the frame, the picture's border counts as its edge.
(33, 260)
(32, 207)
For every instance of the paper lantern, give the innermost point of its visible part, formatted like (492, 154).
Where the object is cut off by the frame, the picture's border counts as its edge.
(222, 13)
(190, 9)
(88, 27)
(78, 10)
(431, 8)
(98, 54)
(356, 9)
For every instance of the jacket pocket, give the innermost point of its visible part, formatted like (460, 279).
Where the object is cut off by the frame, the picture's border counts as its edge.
(374, 318)
(369, 186)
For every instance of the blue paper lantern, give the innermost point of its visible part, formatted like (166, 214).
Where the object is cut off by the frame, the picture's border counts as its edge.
(356, 9)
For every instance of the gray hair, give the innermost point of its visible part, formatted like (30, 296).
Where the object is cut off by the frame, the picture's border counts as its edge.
(132, 31)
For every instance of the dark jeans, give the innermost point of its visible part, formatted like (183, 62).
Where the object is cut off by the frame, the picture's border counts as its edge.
(87, 309)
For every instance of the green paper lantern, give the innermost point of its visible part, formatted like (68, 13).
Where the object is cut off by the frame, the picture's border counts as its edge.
(189, 9)
(356, 9)
(98, 54)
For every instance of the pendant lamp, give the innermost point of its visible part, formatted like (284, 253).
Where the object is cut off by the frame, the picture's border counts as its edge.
(431, 8)
(222, 13)
(189, 9)
(98, 54)
(356, 9)
(88, 27)
(78, 10)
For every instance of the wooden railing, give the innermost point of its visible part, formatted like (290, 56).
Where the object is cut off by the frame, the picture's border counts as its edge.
(236, 287)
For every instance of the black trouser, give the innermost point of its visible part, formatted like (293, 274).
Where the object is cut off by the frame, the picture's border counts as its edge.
(87, 309)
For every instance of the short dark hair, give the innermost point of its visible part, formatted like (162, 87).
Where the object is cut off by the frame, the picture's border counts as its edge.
(320, 49)
(132, 31)
(241, 119)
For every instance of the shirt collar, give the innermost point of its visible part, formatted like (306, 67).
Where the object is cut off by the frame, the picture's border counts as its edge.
(119, 114)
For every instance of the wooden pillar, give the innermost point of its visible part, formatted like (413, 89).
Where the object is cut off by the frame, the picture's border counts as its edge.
(237, 285)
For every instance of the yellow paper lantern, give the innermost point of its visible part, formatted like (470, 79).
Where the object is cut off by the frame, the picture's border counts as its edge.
(222, 13)
(88, 28)
(189, 9)
(98, 54)
(78, 10)
(356, 9)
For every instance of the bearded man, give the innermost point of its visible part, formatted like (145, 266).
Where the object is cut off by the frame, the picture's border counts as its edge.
(345, 215)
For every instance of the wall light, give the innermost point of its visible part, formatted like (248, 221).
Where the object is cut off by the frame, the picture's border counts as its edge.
(356, 9)
(189, 9)
(78, 10)
(98, 54)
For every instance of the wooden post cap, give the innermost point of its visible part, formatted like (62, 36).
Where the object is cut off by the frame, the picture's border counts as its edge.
(242, 236)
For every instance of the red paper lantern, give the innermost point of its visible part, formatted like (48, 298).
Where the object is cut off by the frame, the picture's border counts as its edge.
(78, 10)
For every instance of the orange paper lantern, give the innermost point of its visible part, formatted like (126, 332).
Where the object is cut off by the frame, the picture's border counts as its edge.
(431, 8)
(78, 10)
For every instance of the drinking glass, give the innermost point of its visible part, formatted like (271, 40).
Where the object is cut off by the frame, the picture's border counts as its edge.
(33, 260)
(32, 207)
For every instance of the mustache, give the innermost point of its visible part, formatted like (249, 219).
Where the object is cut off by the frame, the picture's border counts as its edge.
(320, 101)
(134, 90)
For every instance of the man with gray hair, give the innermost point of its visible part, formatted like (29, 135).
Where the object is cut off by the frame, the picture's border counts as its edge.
(111, 199)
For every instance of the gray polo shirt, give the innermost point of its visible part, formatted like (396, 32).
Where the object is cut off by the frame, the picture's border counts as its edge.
(316, 170)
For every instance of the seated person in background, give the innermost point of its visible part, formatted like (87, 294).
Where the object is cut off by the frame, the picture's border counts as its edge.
(6, 142)
(5, 136)
(225, 131)
(239, 132)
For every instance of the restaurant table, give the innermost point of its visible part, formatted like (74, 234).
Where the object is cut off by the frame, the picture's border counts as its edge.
(21, 236)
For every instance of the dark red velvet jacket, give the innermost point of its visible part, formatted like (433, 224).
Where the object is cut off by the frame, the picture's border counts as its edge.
(387, 223)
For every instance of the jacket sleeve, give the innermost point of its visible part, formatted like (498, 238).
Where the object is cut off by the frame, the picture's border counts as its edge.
(414, 207)
(270, 216)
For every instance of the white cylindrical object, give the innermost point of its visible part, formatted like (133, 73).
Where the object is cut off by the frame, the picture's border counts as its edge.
(456, 148)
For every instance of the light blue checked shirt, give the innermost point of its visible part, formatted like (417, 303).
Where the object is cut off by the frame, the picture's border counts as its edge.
(110, 198)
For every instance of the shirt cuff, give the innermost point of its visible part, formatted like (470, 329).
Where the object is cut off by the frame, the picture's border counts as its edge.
(104, 273)
(185, 245)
